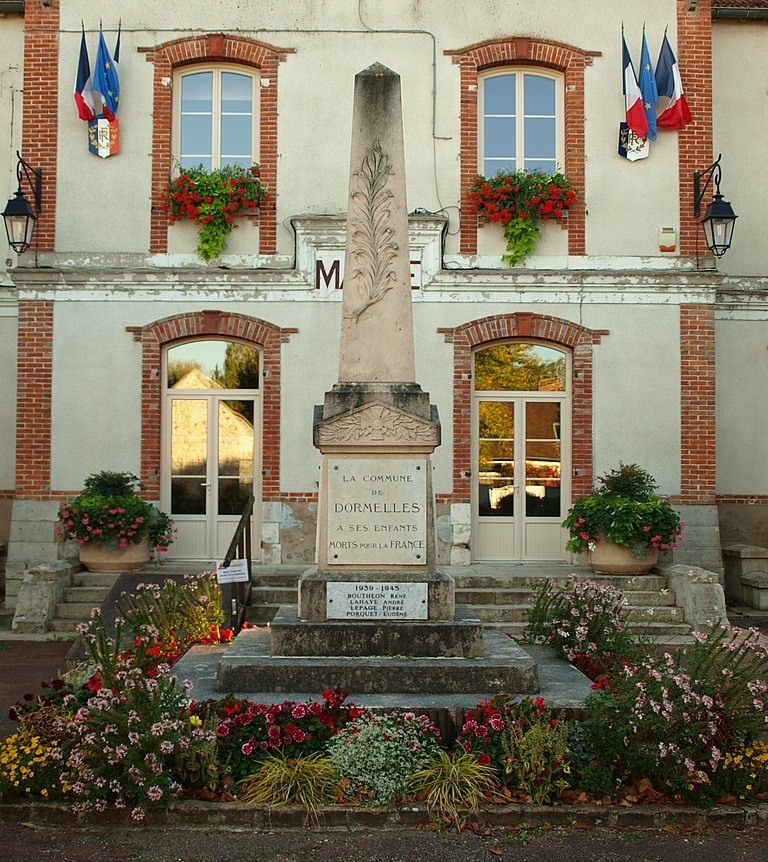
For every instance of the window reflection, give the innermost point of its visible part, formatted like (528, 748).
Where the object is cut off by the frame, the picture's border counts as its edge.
(213, 365)
(235, 455)
(519, 367)
(496, 446)
(189, 456)
(542, 459)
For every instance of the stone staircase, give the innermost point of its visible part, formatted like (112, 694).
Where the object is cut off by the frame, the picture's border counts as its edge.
(500, 596)
(88, 590)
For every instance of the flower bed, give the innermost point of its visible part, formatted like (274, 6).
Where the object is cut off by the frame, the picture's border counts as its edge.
(120, 733)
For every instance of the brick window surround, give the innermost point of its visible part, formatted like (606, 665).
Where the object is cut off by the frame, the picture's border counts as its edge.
(482, 333)
(537, 53)
(156, 336)
(224, 48)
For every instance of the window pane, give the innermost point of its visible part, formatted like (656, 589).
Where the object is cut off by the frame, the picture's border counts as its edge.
(492, 166)
(236, 140)
(542, 459)
(519, 367)
(189, 442)
(500, 138)
(197, 93)
(545, 166)
(209, 364)
(195, 138)
(499, 94)
(195, 161)
(236, 93)
(496, 465)
(235, 456)
(540, 138)
(539, 97)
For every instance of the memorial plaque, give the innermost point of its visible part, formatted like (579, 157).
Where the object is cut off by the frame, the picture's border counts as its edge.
(376, 601)
(377, 512)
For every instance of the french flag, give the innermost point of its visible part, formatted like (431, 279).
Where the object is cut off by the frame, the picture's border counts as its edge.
(672, 110)
(633, 98)
(83, 84)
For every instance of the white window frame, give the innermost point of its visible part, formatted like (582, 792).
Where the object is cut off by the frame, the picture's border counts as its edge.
(519, 72)
(217, 71)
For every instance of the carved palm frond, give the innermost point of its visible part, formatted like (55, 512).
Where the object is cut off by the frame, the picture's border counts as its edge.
(369, 223)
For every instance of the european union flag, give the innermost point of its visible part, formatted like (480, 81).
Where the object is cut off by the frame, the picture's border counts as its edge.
(648, 89)
(105, 79)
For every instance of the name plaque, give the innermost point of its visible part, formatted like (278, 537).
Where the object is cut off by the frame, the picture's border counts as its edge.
(376, 601)
(377, 512)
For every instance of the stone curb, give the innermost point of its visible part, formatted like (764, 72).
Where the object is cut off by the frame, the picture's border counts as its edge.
(196, 814)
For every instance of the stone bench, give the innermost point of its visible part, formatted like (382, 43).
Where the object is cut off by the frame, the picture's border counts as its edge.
(746, 576)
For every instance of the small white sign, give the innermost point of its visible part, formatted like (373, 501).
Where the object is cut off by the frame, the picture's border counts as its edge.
(235, 572)
(350, 600)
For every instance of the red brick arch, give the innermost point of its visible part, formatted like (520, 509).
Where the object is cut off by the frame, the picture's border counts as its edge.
(537, 327)
(159, 334)
(524, 51)
(213, 47)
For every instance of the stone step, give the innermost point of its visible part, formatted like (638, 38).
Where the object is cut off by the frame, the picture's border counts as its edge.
(65, 626)
(78, 611)
(84, 595)
(517, 613)
(512, 580)
(93, 579)
(657, 631)
(274, 594)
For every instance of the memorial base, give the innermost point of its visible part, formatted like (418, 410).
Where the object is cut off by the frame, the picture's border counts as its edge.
(314, 606)
(460, 638)
(247, 665)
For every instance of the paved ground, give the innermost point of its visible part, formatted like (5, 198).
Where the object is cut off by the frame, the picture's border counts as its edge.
(403, 845)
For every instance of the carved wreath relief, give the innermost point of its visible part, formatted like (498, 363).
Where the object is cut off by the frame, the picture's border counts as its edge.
(378, 424)
(369, 223)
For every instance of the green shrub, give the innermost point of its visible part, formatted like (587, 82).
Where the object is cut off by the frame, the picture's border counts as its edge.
(375, 754)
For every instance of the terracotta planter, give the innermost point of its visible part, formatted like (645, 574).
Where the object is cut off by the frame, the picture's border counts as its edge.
(611, 559)
(101, 558)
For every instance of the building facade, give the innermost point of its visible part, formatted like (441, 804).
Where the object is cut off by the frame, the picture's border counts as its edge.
(123, 349)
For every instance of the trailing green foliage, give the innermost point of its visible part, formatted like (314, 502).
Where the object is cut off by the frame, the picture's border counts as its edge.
(213, 199)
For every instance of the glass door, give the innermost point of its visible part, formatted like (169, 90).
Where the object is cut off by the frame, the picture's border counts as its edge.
(518, 453)
(212, 449)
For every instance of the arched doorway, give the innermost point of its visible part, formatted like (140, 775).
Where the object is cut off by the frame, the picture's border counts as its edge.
(520, 451)
(211, 442)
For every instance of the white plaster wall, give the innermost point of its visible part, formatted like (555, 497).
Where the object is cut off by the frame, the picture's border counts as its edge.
(742, 406)
(11, 78)
(740, 120)
(96, 422)
(333, 40)
(636, 380)
(97, 382)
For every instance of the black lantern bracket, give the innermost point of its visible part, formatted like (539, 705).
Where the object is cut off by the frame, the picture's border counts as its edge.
(719, 219)
(19, 216)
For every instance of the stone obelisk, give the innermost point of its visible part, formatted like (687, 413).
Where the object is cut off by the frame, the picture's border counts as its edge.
(375, 614)
(376, 545)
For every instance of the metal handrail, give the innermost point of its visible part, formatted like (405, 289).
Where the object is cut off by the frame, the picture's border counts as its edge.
(236, 597)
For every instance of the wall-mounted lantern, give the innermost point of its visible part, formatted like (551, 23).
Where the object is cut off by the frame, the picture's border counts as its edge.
(719, 219)
(19, 215)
